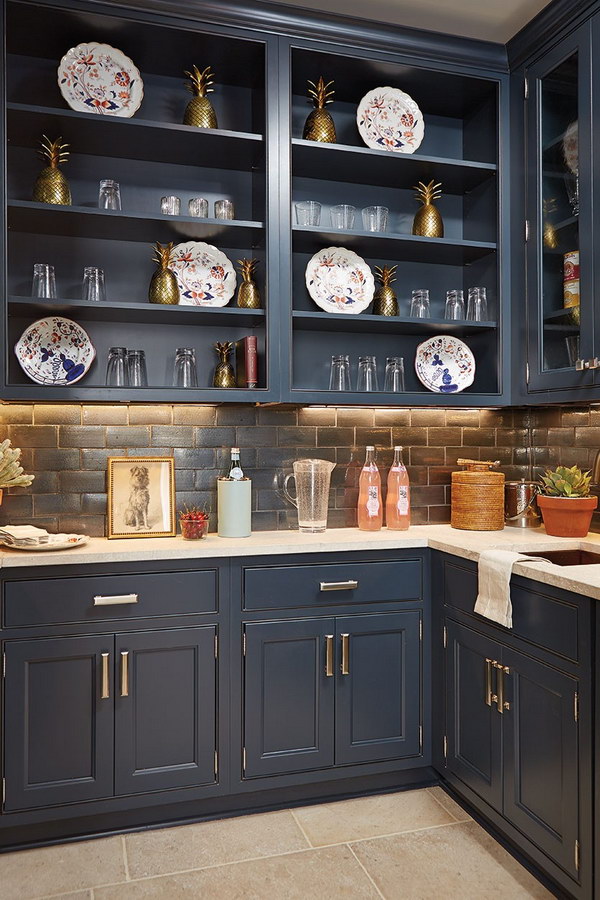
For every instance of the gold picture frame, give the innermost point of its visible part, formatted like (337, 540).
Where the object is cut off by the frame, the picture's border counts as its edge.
(141, 497)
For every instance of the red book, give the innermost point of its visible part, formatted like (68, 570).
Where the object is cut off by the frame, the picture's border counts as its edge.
(246, 363)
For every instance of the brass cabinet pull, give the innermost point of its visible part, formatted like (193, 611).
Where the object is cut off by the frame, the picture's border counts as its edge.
(339, 585)
(493, 696)
(345, 667)
(329, 655)
(115, 599)
(505, 703)
(500, 686)
(105, 689)
(488, 681)
(124, 673)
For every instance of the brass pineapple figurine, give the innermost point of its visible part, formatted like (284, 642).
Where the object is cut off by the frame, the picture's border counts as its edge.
(51, 186)
(550, 235)
(428, 221)
(163, 284)
(199, 111)
(319, 124)
(386, 302)
(224, 374)
(248, 296)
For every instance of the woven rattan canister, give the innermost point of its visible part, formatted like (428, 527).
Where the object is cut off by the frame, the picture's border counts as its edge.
(477, 497)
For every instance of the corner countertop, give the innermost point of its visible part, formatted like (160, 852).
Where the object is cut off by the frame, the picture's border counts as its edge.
(467, 544)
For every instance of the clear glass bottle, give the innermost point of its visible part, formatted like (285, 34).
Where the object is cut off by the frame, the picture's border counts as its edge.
(397, 504)
(235, 469)
(370, 505)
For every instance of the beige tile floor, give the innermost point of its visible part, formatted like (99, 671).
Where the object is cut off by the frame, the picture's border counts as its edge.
(415, 845)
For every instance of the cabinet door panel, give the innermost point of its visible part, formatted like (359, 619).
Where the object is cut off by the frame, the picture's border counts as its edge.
(58, 735)
(378, 703)
(165, 727)
(288, 698)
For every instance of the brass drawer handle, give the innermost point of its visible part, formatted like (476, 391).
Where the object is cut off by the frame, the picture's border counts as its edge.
(124, 673)
(115, 599)
(329, 655)
(339, 585)
(501, 703)
(105, 688)
(345, 667)
(488, 681)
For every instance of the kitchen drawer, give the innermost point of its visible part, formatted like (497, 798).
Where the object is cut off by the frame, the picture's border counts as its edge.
(60, 601)
(323, 585)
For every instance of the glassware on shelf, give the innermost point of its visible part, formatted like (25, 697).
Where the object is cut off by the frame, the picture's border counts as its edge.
(455, 305)
(93, 284)
(44, 282)
(198, 207)
(136, 368)
(375, 218)
(308, 212)
(572, 343)
(185, 373)
(419, 304)
(116, 369)
(109, 196)
(367, 374)
(224, 209)
(477, 310)
(394, 375)
(170, 206)
(339, 378)
(342, 216)
(572, 188)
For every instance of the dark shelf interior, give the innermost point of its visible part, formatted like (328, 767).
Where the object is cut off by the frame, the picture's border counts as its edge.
(367, 323)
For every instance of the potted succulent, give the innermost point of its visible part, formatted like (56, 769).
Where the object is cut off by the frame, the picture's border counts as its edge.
(11, 473)
(565, 502)
(194, 523)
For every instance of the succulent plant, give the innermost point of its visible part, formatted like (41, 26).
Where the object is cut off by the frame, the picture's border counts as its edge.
(565, 482)
(11, 473)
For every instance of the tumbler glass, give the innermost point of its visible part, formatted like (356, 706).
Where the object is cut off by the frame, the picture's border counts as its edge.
(185, 373)
(342, 216)
(116, 369)
(109, 196)
(419, 304)
(339, 378)
(394, 374)
(572, 343)
(375, 218)
(455, 305)
(308, 212)
(93, 284)
(477, 305)
(198, 207)
(224, 209)
(136, 368)
(170, 206)
(44, 282)
(367, 374)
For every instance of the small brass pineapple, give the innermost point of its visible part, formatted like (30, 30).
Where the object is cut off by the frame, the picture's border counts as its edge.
(163, 284)
(248, 296)
(386, 302)
(428, 221)
(51, 186)
(224, 374)
(550, 235)
(199, 111)
(319, 125)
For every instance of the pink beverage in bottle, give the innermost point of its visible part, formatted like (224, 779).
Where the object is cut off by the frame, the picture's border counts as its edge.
(397, 505)
(370, 505)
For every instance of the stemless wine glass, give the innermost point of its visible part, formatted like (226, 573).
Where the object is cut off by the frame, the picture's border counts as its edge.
(455, 305)
(116, 369)
(170, 206)
(93, 284)
(367, 374)
(198, 207)
(419, 304)
(342, 216)
(224, 209)
(339, 378)
(136, 368)
(44, 282)
(185, 373)
(477, 305)
(308, 212)
(109, 195)
(394, 374)
(375, 218)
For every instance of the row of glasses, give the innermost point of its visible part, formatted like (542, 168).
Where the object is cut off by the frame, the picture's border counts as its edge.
(44, 283)
(367, 378)
(126, 368)
(455, 305)
(197, 207)
(342, 216)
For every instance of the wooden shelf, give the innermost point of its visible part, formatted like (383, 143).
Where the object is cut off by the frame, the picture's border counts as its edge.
(366, 323)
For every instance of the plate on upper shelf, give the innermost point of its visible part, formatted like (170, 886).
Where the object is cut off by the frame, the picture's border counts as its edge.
(340, 281)
(205, 276)
(389, 119)
(55, 351)
(99, 78)
(444, 364)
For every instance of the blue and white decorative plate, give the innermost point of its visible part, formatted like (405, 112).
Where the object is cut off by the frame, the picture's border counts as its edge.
(97, 78)
(389, 119)
(340, 281)
(444, 364)
(55, 351)
(205, 276)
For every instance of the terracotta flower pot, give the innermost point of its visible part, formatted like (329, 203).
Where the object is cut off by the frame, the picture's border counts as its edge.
(567, 516)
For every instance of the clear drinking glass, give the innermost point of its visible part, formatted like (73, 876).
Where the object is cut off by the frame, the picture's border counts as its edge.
(339, 378)
(477, 305)
(572, 343)
(342, 216)
(44, 282)
(170, 206)
(455, 305)
(198, 207)
(93, 284)
(419, 304)
(375, 218)
(224, 209)
(116, 369)
(185, 373)
(109, 196)
(367, 374)
(572, 188)
(308, 212)
(136, 368)
(394, 374)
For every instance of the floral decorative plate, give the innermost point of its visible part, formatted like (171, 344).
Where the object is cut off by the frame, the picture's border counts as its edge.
(444, 364)
(56, 542)
(388, 119)
(204, 274)
(339, 281)
(55, 351)
(570, 144)
(98, 78)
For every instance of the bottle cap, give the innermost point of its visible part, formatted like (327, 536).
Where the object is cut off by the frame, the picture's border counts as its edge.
(370, 448)
(235, 449)
(398, 448)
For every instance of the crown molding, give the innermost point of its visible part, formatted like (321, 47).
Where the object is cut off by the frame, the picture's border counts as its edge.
(552, 22)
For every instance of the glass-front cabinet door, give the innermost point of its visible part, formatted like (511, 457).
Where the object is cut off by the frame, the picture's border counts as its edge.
(559, 218)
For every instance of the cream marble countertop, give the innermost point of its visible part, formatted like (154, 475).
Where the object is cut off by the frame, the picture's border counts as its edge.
(467, 544)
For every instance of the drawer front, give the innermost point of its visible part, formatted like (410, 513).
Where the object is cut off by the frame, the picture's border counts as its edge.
(61, 601)
(323, 585)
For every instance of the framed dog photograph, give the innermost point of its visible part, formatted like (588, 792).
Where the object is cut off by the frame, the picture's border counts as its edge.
(141, 496)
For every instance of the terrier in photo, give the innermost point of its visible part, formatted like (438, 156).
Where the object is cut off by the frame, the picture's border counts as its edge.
(136, 513)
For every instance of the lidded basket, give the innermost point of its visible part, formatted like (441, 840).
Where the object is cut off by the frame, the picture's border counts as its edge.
(477, 496)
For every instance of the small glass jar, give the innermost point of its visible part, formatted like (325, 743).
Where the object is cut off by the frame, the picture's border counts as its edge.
(93, 290)
(44, 282)
(116, 369)
(198, 207)
(170, 206)
(109, 196)
(224, 209)
(367, 374)
(185, 372)
(193, 529)
(136, 368)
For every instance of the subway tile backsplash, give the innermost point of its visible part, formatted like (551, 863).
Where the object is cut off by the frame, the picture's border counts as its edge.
(67, 448)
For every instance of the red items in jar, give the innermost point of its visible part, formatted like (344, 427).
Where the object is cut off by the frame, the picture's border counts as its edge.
(194, 524)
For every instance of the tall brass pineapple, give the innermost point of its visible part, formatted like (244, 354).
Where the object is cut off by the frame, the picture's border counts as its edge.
(550, 234)
(163, 284)
(248, 296)
(199, 111)
(428, 221)
(51, 186)
(224, 374)
(319, 124)
(386, 302)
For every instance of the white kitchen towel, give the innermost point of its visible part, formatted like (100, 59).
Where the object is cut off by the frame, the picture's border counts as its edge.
(494, 571)
(23, 534)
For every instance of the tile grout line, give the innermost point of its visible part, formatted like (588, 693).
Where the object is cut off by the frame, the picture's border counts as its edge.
(468, 819)
(368, 874)
(125, 859)
(297, 821)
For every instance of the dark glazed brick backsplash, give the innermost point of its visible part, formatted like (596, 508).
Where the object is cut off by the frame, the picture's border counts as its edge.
(67, 448)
